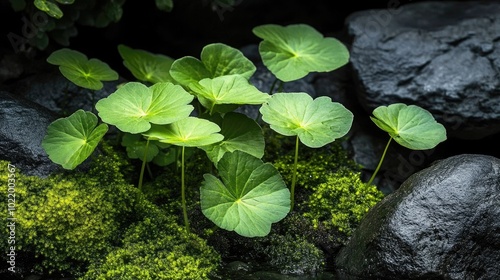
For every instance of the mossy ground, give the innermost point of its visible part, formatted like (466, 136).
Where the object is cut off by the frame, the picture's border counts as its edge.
(98, 225)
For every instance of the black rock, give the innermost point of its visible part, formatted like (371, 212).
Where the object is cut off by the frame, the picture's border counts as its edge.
(442, 223)
(441, 56)
(23, 126)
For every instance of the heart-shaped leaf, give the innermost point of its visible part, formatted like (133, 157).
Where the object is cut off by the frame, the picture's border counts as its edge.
(216, 60)
(133, 107)
(224, 90)
(291, 52)
(251, 196)
(411, 126)
(145, 66)
(81, 71)
(316, 122)
(69, 141)
(187, 132)
(241, 133)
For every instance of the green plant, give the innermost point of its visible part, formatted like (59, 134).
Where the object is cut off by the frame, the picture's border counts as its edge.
(314, 122)
(411, 126)
(246, 201)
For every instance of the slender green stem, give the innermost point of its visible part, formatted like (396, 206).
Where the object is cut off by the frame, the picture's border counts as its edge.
(294, 177)
(141, 176)
(272, 86)
(183, 192)
(280, 88)
(380, 162)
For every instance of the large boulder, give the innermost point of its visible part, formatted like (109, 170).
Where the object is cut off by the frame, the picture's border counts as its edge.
(23, 125)
(442, 223)
(442, 56)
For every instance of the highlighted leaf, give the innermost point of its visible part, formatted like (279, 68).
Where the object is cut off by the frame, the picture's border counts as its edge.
(81, 71)
(411, 126)
(146, 66)
(216, 60)
(133, 107)
(316, 122)
(241, 133)
(69, 141)
(251, 196)
(226, 90)
(187, 132)
(291, 52)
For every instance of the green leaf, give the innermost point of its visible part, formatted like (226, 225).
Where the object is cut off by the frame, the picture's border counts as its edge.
(146, 66)
(133, 107)
(66, 2)
(251, 196)
(291, 52)
(232, 89)
(135, 146)
(316, 122)
(49, 8)
(81, 71)
(241, 133)
(187, 132)
(411, 126)
(69, 141)
(165, 5)
(216, 60)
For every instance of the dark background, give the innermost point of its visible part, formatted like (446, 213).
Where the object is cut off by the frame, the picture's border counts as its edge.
(193, 24)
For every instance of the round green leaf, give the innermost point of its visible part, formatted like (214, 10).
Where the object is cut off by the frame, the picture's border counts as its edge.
(316, 122)
(294, 51)
(187, 132)
(146, 66)
(216, 60)
(231, 89)
(81, 71)
(133, 107)
(411, 126)
(241, 133)
(69, 141)
(251, 196)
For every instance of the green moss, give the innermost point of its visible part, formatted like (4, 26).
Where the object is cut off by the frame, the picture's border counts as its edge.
(158, 248)
(294, 255)
(341, 201)
(69, 220)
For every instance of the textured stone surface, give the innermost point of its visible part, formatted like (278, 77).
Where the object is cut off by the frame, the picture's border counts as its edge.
(442, 223)
(22, 128)
(442, 56)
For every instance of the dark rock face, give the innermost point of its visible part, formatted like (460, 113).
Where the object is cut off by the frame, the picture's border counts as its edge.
(22, 128)
(442, 223)
(442, 56)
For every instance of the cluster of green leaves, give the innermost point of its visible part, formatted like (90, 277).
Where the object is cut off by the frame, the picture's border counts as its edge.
(157, 113)
(251, 195)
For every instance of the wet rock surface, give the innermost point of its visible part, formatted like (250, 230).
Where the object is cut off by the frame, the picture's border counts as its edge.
(442, 223)
(23, 125)
(442, 56)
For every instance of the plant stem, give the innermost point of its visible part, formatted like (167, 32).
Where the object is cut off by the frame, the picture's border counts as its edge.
(272, 86)
(141, 176)
(294, 177)
(183, 192)
(380, 162)
(280, 88)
